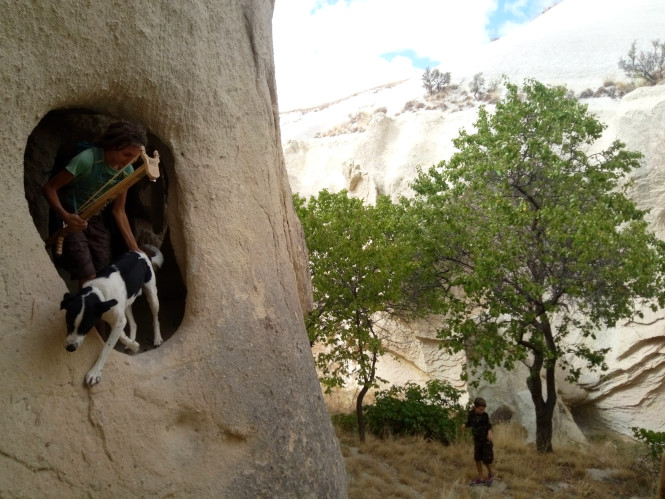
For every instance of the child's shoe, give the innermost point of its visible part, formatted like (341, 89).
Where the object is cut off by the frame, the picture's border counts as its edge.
(477, 481)
(489, 480)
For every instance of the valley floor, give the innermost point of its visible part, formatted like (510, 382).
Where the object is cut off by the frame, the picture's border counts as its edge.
(413, 468)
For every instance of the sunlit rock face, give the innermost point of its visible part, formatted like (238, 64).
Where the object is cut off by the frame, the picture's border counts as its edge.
(577, 44)
(229, 405)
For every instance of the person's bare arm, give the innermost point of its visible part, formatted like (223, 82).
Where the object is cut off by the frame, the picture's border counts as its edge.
(121, 220)
(50, 192)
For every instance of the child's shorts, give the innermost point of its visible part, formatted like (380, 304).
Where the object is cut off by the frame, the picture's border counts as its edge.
(86, 253)
(483, 451)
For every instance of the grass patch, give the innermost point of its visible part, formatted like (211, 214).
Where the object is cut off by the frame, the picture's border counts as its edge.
(412, 467)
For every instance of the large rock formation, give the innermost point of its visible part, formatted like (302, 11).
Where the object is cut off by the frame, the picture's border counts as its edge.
(577, 43)
(230, 405)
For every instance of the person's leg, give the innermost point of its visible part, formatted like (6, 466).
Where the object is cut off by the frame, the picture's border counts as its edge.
(478, 458)
(77, 259)
(81, 256)
(99, 246)
(488, 458)
(99, 243)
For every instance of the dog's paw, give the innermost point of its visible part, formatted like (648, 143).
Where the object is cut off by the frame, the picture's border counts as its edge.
(157, 342)
(93, 377)
(132, 347)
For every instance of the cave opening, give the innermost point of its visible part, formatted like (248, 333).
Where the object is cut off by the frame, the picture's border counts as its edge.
(56, 137)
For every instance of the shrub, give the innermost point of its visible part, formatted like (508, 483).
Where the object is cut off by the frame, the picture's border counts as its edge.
(648, 66)
(586, 94)
(412, 105)
(654, 446)
(477, 85)
(432, 411)
(434, 81)
(345, 422)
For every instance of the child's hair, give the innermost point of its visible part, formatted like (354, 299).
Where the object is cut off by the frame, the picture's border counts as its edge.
(121, 134)
(479, 402)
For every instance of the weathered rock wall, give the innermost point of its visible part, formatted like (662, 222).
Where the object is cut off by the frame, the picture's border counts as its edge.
(230, 406)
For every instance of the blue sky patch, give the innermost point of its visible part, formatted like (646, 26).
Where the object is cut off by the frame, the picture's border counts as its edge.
(416, 60)
(515, 12)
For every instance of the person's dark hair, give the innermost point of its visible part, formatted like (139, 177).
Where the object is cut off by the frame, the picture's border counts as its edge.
(479, 402)
(121, 134)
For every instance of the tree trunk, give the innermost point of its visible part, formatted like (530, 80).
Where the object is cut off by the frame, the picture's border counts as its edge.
(544, 408)
(544, 431)
(359, 412)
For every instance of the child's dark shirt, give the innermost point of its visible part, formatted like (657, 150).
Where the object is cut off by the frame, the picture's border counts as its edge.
(479, 424)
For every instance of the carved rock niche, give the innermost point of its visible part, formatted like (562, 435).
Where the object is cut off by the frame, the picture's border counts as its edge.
(53, 142)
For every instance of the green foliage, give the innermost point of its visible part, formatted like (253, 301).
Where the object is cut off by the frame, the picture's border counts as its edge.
(647, 65)
(528, 239)
(357, 264)
(654, 446)
(345, 422)
(432, 411)
(358, 261)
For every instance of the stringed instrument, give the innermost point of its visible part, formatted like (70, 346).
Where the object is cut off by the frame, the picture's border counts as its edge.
(91, 207)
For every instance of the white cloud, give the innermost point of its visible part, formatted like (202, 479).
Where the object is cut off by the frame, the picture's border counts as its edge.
(327, 50)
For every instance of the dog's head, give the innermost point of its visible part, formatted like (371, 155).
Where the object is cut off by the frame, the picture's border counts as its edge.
(83, 311)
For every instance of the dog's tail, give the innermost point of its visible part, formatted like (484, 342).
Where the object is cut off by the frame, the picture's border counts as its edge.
(156, 257)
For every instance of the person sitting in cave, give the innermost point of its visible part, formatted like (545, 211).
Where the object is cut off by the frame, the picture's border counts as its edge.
(87, 249)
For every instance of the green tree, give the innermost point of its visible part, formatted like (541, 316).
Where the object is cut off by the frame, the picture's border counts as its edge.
(529, 239)
(358, 262)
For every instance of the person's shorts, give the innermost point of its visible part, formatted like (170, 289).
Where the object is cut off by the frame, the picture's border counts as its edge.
(483, 451)
(86, 253)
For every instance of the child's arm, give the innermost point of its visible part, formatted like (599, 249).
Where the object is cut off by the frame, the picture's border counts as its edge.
(490, 436)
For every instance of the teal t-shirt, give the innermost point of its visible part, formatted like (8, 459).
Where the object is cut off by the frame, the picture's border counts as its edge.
(91, 173)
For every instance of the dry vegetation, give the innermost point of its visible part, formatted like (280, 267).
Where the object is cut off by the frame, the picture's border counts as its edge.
(357, 123)
(414, 468)
(454, 98)
(614, 90)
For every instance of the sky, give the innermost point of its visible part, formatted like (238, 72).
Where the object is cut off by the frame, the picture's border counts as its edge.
(330, 49)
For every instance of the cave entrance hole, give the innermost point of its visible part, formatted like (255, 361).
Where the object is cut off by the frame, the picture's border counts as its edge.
(56, 136)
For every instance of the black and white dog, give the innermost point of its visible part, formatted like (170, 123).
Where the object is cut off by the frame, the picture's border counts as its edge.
(109, 297)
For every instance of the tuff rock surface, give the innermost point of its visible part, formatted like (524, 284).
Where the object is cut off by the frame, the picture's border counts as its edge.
(230, 405)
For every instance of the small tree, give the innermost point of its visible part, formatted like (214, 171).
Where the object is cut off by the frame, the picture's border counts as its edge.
(358, 262)
(648, 66)
(434, 81)
(428, 81)
(530, 239)
(477, 85)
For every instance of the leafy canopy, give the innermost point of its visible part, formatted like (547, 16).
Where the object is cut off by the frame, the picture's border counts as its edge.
(528, 237)
(358, 262)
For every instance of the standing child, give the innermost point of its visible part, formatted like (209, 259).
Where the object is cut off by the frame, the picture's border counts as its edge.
(483, 451)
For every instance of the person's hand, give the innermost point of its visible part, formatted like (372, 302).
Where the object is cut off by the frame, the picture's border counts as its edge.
(490, 437)
(76, 223)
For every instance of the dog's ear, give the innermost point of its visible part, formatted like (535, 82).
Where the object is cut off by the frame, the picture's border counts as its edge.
(65, 299)
(105, 306)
